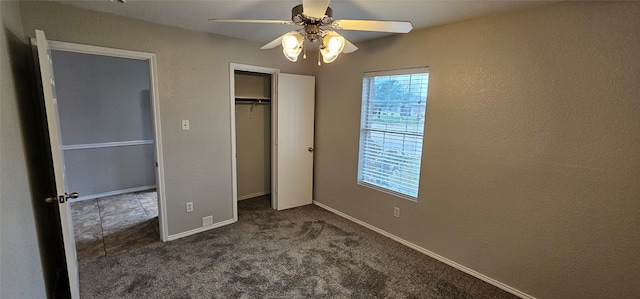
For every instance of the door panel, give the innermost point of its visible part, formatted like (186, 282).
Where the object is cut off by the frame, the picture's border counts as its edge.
(51, 109)
(294, 140)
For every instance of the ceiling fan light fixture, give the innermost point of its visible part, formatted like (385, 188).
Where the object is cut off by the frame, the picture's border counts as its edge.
(292, 55)
(332, 46)
(292, 43)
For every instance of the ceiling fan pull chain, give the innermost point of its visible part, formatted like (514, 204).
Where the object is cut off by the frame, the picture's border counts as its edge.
(304, 52)
(319, 55)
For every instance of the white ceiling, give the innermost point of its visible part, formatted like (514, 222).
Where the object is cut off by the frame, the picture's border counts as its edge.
(193, 15)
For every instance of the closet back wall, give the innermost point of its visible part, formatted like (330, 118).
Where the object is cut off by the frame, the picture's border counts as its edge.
(105, 119)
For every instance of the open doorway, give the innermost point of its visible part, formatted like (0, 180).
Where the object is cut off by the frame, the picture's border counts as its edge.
(253, 105)
(290, 113)
(109, 125)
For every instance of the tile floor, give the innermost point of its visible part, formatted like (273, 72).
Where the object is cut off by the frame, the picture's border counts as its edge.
(110, 225)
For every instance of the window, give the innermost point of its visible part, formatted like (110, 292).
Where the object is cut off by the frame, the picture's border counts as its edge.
(391, 130)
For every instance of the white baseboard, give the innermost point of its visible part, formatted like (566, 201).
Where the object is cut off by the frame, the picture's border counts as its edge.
(199, 230)
(436, 256)
(112, 193)
(253, 195)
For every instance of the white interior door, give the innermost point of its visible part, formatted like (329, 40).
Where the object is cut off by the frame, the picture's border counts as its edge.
(51, 108)
(294, 141)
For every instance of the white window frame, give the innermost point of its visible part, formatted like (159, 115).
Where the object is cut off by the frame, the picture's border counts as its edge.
(364, 130)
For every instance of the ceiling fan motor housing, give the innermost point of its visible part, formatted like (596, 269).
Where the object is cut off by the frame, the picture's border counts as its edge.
(311, 25)
(298, 17)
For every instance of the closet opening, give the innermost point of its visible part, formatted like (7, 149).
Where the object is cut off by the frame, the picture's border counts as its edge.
(253, 133)
(272, 116)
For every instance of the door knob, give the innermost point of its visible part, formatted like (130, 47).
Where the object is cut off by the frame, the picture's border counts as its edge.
(310, 149)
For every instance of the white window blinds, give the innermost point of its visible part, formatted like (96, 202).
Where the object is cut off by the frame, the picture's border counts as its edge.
(392, 128)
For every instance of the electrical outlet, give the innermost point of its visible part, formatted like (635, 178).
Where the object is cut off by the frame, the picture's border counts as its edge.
(396, 212)
(189, 207)
(207, 221)
(185, 125)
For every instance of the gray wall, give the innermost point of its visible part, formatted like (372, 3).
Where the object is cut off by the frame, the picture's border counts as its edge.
(193, 81)
(104, 99)
(530, 164)
(95, 171)
(253, 136)
(21, 270)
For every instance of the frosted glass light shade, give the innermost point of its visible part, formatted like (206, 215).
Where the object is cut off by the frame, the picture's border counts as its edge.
(292, 45)
(333, 44)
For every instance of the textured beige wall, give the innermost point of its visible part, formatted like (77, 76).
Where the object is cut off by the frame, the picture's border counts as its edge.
(531, 152)
(21, 271)
(193, 81)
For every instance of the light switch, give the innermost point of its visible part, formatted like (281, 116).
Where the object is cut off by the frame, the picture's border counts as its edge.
(185, 125)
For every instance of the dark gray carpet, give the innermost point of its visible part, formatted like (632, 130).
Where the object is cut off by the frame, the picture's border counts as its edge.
(304, 252)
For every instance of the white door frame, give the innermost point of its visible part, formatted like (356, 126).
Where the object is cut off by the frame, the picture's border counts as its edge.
(233, 67)
(155, 106)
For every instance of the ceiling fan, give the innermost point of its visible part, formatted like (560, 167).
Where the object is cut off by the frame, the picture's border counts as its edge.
(313, 16)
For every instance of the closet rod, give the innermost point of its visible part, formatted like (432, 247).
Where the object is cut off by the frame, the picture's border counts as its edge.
(253, 101)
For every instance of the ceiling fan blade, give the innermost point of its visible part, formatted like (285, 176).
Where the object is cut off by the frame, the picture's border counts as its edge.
(315, 8)
(349, 47)
(274, 43)
(252, 21)
(371, 25)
